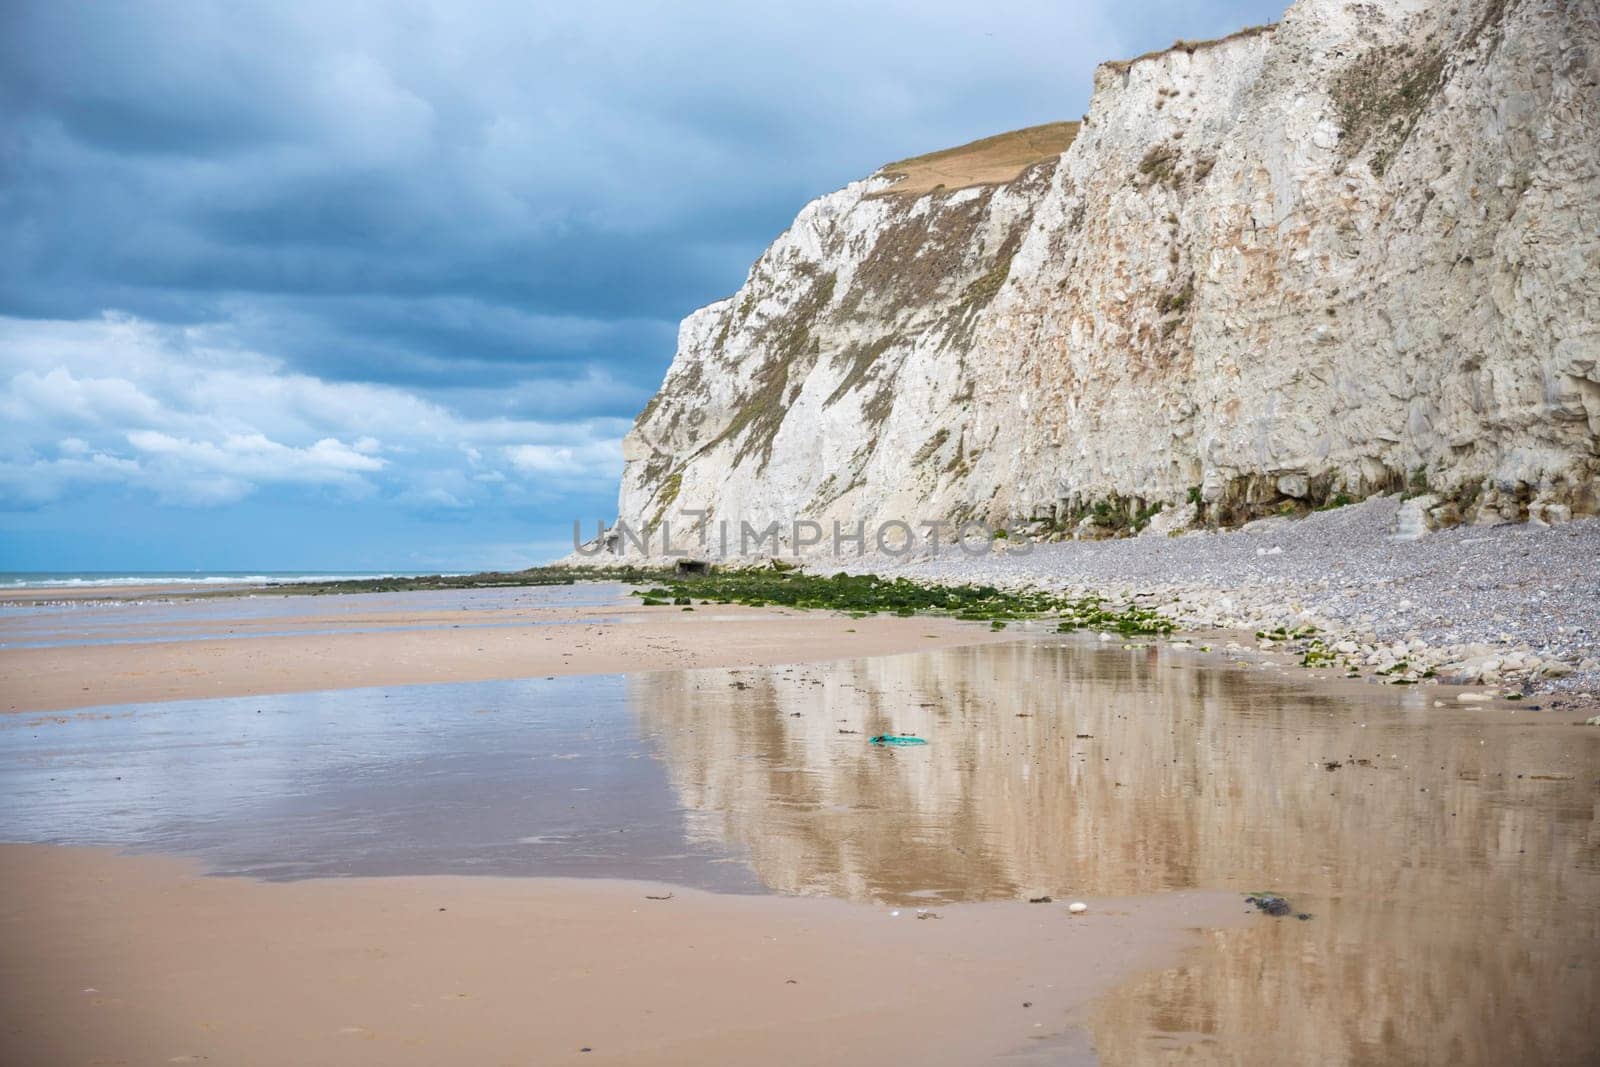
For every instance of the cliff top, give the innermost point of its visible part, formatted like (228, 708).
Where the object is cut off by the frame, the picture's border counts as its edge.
(990, 161)
(1120, 65)
(998, 159)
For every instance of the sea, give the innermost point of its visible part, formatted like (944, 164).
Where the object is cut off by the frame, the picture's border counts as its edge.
(34, 579)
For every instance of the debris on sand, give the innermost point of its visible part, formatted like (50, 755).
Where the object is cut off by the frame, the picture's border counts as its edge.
(1274, 905)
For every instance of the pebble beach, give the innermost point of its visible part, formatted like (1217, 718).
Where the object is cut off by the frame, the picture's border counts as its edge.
(1514, 607)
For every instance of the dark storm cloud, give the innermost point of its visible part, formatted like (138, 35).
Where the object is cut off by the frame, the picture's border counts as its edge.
(607, 160)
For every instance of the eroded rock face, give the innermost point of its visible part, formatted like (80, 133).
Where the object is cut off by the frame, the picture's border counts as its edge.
(1354, 253)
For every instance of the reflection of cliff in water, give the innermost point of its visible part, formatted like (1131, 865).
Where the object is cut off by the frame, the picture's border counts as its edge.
(1453, 859)
(1187, 776)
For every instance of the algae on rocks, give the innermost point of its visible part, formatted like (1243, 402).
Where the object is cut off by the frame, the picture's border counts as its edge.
(868, 594)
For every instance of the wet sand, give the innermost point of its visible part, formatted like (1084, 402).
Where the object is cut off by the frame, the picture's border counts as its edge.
(1444, 852)
(1446, 855)
(139, 960)
(402, 639)
(47, 594)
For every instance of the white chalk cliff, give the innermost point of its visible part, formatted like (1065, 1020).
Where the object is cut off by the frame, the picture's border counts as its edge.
(1355, 252)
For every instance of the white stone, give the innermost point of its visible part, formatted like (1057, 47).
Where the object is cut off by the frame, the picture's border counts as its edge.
(1293, 485)
(1414, 519)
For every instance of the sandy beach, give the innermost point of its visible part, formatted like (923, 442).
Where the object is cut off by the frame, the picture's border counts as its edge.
(552, 825)
(318, 643)
(142, 960)
(111, 958)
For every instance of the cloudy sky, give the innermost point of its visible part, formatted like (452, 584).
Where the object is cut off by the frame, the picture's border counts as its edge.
(320, 284)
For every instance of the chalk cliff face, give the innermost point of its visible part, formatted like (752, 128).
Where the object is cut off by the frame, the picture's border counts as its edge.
(1355, 252)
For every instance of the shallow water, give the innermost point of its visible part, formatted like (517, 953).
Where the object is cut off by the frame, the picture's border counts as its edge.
(95, 622)
(1450, 861)
(523, 777)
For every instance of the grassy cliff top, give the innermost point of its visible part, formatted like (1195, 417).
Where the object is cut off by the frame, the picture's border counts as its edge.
(990, 161)
(1120, 65)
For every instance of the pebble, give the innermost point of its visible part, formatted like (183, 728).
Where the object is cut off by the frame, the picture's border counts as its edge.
(1077, 907)
(1525, 596)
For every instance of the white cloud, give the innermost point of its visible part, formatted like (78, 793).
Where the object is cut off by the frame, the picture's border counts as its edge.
(191, 418)
(594, 458)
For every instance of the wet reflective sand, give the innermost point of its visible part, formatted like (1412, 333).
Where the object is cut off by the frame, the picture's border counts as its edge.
(518, 777)
(83, 654)
(57, 623)
(1450, 859)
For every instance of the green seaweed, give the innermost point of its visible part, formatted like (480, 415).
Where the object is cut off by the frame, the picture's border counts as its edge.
(864, 594)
